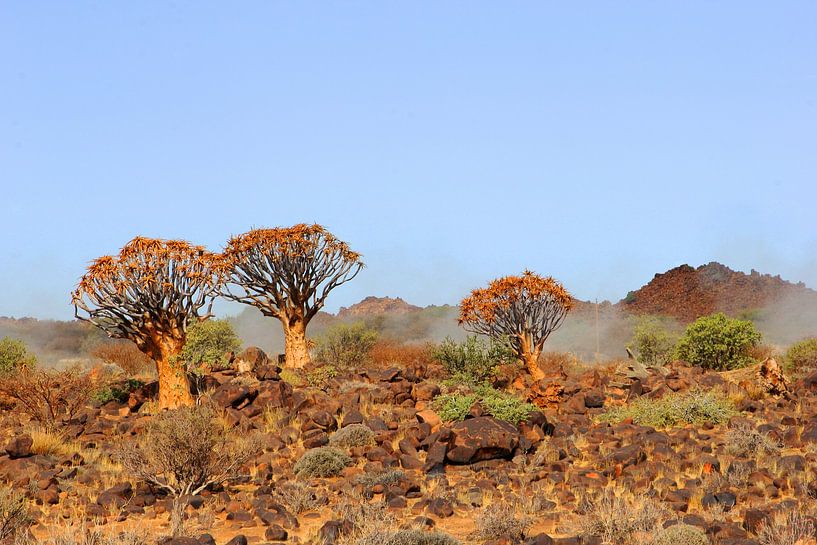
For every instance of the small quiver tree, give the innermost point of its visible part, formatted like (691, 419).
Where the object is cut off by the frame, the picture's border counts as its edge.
(150, 293)
(524, 309)
(287, 273)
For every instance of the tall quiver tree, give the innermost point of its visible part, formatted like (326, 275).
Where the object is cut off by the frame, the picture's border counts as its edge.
(150, 293)
(287, 273)
(523, 309)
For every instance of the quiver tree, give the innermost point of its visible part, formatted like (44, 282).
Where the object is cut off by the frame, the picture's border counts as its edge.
(523, 309)
(287, 273)
(149, 294)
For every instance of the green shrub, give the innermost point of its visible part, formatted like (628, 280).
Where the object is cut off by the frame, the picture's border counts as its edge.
(320, 377)
(117, 392)
(693, 407)
(321, 462)
(353, 435)
(718, 342)
(802, 356)
(653, 342)
(500, 405)
(208, 344)
(681, 534)
(473, 360)
(386, 477)
(14, 354)
(345, 345)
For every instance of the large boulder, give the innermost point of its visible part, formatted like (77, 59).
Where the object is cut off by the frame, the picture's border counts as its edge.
(481, 438)
(20, 446)
(250, 359)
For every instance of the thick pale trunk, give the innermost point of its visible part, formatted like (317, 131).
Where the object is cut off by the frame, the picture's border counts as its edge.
(174, 386)
(297, 352)
(529, 354)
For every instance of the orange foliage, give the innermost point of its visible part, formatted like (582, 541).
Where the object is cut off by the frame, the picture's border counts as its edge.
(388, 352)
(300, 240)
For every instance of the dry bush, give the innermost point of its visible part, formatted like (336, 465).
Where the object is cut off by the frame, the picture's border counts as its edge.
(745, 440)
(499, 521)
(78, 534)
(788, 528)
(353, 435)
(616, 520)
(555, 361)
(681, 534)
(321, 462)
(406, 537)
(125, 355)
(14, 517)
(389, 352)
(185, 450)
(50, 397)
(299, 497)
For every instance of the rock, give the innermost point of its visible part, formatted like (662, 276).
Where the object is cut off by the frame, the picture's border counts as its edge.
(482, 438)
(240, 539)
(771, 378)
(594, 399)
(333, 529)
(275, 533)
(251, 359)
(20, 447)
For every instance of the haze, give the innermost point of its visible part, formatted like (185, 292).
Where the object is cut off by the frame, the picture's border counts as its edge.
(599, 143)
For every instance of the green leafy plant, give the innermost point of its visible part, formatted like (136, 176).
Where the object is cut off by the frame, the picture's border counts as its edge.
(802, 356)
(14, 354)
(208, 344)
(474, 360)
(320, 377)
(117, 392)
(692, 407)
(718, 342)
(499, 404)
(345, 345)
(653, 341)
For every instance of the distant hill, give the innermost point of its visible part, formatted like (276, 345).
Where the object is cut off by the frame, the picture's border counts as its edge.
(372, 306)
(686, 293)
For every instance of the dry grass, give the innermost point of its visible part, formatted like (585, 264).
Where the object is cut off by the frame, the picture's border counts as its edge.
(789, 528)
(125, 355)
(388, 352)
(618, 520)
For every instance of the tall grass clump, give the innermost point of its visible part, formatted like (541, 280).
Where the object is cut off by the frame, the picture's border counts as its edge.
(694, 407)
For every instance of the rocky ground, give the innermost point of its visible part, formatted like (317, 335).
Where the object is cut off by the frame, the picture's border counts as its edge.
(564, 475)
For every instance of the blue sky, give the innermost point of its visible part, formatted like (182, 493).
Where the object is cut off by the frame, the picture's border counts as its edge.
(449, 142)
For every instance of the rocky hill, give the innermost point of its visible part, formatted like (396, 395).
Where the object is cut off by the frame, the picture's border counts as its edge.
(687, 293)
(373, 306)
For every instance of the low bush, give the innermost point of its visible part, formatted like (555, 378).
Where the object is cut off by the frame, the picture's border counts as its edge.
(801, 357)
(693, 407)
(406, 537)
(793, 527)
(499, 404)
(653, 341)
(345, 346)
(473, 360)
(320, 376)
(321, 462)
(125, 355)
(384, 478)
(501, 521)
(681, 534)
(185, 450)
(745, 440)
(14, 355)
(50, 397)
(299, 497)
(718, 342)
(388, 352)
(353, 435)
(14, 515)
(616, 519)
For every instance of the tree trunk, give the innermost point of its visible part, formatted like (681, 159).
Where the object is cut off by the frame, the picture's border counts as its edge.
(297, 352)
(174, 386)
(529, 355)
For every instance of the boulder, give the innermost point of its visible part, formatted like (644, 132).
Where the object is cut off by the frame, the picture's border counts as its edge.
(20, 446)
(250, 359)
(481, 438)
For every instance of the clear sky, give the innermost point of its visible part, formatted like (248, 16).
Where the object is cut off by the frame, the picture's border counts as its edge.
(449, 142)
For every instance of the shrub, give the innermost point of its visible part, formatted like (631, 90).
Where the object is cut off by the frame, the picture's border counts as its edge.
(500, 405)
(345, 345)
(788, 528)
(615, 519)
(499, 521)
(802, 356)
(693, 407)
(208, 344)
(14, 516)
(385, 478)
(125, 355)
(78, 534)
(14, 354)
(652, 341)
(320, 376)
(322, 462)
(185, 450)
(744, 440)
(387, 352)
(718, 342)
(406, 537)
(353, 435)
(298, 497)
(117, 392)
(473, 360)
(681, 534)
(49, 397)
